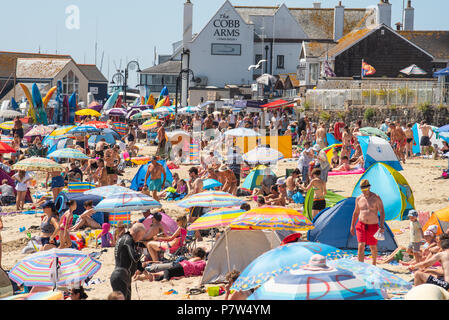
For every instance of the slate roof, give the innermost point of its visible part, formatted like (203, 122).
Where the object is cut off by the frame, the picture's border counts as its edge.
(168, 67)
(40, 68)
(434, 42)
(92, 73)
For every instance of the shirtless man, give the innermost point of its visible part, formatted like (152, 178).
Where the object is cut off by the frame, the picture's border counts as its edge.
(155, 170)
(346, 143)
(57, 183)
(195, 186)
(112, 159)
(319, 186)
(400, 142)
(101, 175)
(425, 137)
(228, 179)
(443, 258)
(409, 141)
(100, 147)
(161, 139)
(290, 183)
(321, 136)
(344, 166)
(367, 205)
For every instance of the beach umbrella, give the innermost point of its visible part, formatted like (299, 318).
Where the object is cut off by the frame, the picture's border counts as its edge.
(262, 155)
(413, 70)
(55, 267)
(242, 132)
(45, 295)
(61, 131)
(68, 153)
(39, 130)
(211, 184)
(281, 260)
(441, 73)
(168, 224)
(97, 124)
(126, 201)
(6, 148)
(148, 125)
(9, 114)
(332, 284)
(38, 164)
(106, 191)
(444, 128)
(266, 79)
(177, 136)
(370, 131)
(164, 110)
(216, 218)
(8, 125)
(189, 110)
(274, 218)
(83, 130)
(116, 112)
(211, 199)
(88, 112)
(373, 276)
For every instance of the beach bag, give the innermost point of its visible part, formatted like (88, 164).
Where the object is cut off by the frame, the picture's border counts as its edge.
(298, 198)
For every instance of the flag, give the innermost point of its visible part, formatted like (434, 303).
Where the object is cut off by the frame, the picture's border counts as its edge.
(328, 70)
(118, 103)
(367, 69)
(167, 102)
(150, 101)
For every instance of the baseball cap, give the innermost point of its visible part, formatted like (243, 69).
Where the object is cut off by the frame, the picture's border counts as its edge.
(412, 213)
(364, 184)
(48, 204)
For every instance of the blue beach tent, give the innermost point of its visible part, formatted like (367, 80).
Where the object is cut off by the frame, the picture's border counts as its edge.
(391, 187)
(139, 178)
(333, 227)
(376, 149)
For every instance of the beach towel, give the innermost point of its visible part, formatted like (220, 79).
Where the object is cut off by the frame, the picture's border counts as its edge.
(344, 173)
(80, 187)
(114, 218)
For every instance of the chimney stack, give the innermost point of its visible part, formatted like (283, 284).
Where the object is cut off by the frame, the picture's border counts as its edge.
(339, 21)
(187, 24)
(409, 17)
(317, 5)
(384, 13)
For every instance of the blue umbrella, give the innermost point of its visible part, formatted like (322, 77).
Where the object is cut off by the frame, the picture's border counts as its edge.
(211, 184)
(126, 201)
(442, 72)
(281, 260)
(83, 130)
(67, 153)
(443, 129)
(332, 284)
(106, 191)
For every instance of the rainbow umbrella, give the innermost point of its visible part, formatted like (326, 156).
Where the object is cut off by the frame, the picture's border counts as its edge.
(274, 218)
(148, 125)
(55, 267)
(211, 199)
(38, 164)
(68, 153)
(374, 277)
(216, 218)
(281, 260)
(332, 284)
(45, 295)
(88, 112)
(126, 201)
(8, 125)
(330, 151)
(97, 124)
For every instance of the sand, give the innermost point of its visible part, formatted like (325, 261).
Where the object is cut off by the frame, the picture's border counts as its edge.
(430, 195)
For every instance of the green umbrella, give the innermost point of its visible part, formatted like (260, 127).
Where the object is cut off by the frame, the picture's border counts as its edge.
(370, 131)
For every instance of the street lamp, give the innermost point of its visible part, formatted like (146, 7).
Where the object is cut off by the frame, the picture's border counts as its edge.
(123, 75)
(184, 74)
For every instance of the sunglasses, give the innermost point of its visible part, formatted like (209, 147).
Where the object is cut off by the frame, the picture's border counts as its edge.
(365, 188)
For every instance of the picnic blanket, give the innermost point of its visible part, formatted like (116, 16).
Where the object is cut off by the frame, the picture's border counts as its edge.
(344, 173)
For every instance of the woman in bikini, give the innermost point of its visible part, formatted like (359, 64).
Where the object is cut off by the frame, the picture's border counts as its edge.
(172, 243)
(65, 224)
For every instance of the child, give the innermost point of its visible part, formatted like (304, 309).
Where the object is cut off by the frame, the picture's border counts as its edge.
(65, 224)
(416, 235)
(107, 240)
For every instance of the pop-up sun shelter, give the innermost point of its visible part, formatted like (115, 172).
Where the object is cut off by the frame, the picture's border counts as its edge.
(417, 134)
(139, 178)
(331, 200)
(376, 149)
(64, 197)
(439, 218)
(333, 227)
(242, 247)
(391, 187)
(255, 177)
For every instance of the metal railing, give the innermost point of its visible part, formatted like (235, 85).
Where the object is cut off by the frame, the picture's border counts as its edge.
(380, 94)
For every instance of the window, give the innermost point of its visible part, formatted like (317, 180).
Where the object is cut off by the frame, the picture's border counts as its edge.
(314, 69)
(301, 71)
(280, 62)
(70, 84)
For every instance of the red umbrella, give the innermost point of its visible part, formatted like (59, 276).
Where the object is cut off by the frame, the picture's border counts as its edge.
(97, 124)
(6, 148)
(277, 104)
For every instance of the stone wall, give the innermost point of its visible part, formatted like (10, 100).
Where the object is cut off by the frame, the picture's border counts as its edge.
(437, 116)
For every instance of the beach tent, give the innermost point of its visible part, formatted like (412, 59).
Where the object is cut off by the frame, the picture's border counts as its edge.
(64, 197)
(391, 187)
(417, 134)
(331, 200)
(242, 247)
(137, 181)
(376, 149)
(6, 288)
(333, 227)
(255, 177)
(439, 218)
(331, 139)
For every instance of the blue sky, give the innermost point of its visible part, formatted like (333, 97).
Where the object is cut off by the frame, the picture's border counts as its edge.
(127, 30)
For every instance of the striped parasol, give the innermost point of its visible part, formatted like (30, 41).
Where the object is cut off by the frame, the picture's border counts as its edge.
(107, 191)
(97, 124)
(211, 199)
(216, 218)
(126, 201)
(148, 125)
(242, 132)
(68, 153)
(274, 218)
(45, 295)
(83, 130)
(39, 130)
(6, 139)
(8, 125)
(55, 267)
(38, 164)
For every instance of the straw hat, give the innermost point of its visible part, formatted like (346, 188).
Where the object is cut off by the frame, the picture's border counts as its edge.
(223, 168)
(317, 262)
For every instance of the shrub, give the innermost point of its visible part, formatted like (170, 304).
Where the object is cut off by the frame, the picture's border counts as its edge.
(325, 116)
(369, 114)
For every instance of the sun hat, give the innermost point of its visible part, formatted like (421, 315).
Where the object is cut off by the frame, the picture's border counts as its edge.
(223, 168)
(280, 181)
(317, 262)
(429, 233)
(412, 213)
(433, 228)
(364, 184)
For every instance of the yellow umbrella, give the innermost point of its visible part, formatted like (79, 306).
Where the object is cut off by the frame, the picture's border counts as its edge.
(61, 131)
(88, 112)
(8, 125)
(149, 124)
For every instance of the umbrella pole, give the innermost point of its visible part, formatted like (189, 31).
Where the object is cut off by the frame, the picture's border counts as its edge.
(227, 250)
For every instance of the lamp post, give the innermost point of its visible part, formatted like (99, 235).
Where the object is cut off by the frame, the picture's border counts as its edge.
(118, 78)
(183, 74)
(123, 74)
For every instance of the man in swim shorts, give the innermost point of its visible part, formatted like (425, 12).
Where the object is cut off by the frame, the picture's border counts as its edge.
(154, 172)
(367, 205)
(425, 142)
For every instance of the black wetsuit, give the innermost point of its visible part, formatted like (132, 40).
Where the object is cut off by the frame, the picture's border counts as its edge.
(127, 261)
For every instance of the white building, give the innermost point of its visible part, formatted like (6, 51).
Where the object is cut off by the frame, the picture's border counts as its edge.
(239, 36)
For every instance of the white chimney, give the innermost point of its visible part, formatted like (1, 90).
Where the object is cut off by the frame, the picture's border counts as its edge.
(384, 13)
(187, 30)
(339, 21)
(317, 5)
(409, 17)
